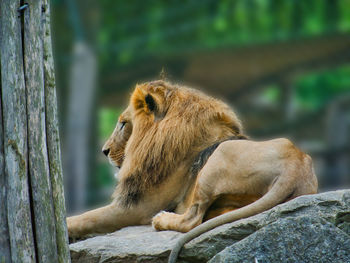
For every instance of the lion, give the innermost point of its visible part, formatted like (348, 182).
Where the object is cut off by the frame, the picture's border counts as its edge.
(185, 153)
(155, 144)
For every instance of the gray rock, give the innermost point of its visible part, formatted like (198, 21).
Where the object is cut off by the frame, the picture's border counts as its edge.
(130, 244)
(292, 239)
(331, 210)
(331, 206)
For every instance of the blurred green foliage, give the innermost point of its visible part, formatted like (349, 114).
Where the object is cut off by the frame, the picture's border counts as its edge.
(133, 29)
(316, 90)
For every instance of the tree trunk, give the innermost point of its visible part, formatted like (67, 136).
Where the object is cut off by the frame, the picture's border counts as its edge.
(54, 150)
(15, 135)
(5, 255)
(33, 217)
(38, 160)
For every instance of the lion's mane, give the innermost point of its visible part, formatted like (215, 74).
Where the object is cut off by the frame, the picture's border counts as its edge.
(171, 126)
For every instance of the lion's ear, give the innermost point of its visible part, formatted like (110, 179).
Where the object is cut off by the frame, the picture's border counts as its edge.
(151, 103)
(143, 101)
(137, 99)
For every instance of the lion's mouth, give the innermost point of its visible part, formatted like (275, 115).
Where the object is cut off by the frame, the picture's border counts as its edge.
(113, 163)
(116, 166)
(116, 172)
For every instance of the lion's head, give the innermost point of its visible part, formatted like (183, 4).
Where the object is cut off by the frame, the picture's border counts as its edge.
(115, 145)
(169, 126)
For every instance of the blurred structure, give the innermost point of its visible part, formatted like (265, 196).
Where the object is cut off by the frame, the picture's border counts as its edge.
(79, 121)
(283, 65)
(79, 124)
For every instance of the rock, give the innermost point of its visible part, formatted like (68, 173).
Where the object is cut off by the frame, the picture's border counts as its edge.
(130, 244)
(318, 216)
(292, 239)
(330, 206)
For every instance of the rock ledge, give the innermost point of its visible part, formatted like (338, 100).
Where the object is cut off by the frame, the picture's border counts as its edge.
(314, 228)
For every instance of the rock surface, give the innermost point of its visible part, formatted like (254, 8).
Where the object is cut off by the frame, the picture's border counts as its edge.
(292, 239)
(130, 244)
(314, 228)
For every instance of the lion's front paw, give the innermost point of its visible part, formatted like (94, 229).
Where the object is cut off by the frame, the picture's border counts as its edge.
(72, 226)
(165, 221)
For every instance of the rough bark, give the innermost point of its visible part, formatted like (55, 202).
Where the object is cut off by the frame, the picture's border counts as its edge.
(53, 140)
(33, 201)
(15, 134)
(38, 158)
(5, 255)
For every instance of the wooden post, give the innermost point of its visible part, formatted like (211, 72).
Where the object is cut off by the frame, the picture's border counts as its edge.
(32, 225)
(5, 255)
(53, 138)
(15, 135)
(42, 204)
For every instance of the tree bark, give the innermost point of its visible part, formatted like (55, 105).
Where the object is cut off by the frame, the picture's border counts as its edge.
(5, 255)
(53, 140)
(15, 134)
(38, 159)
(32, 221)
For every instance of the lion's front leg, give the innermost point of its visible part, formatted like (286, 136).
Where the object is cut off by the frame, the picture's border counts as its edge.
(192, 217)
(171, 221)
(182, 223)
(105, 219)
(202, 198)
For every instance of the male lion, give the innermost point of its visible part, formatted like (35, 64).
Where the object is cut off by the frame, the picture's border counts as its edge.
(179, 150)
(155, 143)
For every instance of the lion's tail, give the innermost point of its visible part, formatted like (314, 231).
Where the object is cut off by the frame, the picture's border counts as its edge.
(276, 195)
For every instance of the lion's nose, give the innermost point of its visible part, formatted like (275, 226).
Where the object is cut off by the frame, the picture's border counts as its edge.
(106, 151)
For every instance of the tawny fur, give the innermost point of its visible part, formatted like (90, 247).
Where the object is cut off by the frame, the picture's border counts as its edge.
(156, 142)
(166, 127)
(246, 177)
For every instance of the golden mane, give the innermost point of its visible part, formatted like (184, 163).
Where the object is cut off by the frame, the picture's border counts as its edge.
(171, 125)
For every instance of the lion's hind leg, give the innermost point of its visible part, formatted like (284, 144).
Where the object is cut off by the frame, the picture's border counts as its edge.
(227, 203)
(200, 211)
(214, 212)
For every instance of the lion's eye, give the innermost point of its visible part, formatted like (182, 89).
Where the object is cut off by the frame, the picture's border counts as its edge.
(122, 124)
